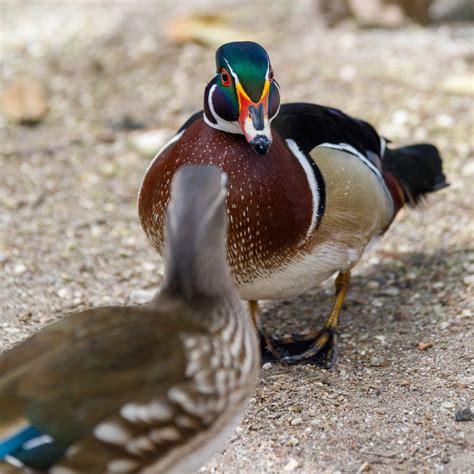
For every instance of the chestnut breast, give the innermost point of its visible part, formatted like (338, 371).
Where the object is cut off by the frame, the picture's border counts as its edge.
(269, 201)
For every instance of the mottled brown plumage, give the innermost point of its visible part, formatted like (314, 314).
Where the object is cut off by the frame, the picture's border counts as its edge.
(155, 388)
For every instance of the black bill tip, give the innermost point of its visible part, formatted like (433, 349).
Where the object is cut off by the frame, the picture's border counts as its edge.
(261, 144)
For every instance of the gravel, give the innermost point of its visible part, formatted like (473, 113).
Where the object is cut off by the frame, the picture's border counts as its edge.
(70, 237)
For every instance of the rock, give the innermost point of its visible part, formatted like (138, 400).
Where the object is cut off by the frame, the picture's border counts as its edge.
(468, 280)
(423, 346)
(149, 143)
(24, 101)
(64, 293)
(291, 465)
(467, 381)
(296, 421)
(447, 405)
(392, 291)
(380, 338)
(267, 366)
(464, 414)
(444, 120)
(378, 361)
(19, 268)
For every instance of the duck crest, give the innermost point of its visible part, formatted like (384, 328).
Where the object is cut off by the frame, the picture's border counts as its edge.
(270, 203)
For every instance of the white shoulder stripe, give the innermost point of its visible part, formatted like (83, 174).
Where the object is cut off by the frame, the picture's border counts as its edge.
(313, 185)
(353, 151)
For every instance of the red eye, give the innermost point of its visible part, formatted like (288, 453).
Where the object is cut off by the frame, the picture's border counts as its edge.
(270, 74)
(225, 78)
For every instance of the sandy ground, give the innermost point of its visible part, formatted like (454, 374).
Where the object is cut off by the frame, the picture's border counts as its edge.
(70, 237)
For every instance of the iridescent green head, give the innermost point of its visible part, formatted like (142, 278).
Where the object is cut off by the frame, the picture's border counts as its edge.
(243, 97)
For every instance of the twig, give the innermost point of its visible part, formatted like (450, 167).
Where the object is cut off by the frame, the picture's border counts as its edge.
(432, 455)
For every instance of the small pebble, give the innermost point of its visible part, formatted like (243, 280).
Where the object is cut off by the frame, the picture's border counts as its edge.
(467, 381)
(296, 421)
(267, 366)
(391, 291)
(447, 405)
(19, 268)
(64, 293)
(464, 414)
(377, 361)
(293, 441)
(291, 465)
(468, 280)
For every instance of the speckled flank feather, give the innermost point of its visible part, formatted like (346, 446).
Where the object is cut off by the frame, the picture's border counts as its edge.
(265, 227)
(160, 432)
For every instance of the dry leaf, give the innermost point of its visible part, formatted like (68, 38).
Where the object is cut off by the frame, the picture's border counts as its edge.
(211, 30)
(423, 346)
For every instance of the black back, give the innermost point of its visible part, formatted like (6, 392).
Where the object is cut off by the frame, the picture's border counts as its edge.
(310, 125)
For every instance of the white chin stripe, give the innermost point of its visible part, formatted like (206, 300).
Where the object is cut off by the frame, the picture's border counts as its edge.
(251, 132)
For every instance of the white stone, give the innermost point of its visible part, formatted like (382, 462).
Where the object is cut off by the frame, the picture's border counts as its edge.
(291, 465)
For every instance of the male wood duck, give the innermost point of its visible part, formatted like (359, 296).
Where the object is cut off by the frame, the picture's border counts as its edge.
(309, 188)
(153, 389)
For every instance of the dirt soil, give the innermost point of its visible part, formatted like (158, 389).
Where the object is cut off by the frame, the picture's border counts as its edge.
(70, 236)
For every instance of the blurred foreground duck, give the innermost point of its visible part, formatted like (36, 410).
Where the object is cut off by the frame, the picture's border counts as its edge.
(309, 189)
(140, 389)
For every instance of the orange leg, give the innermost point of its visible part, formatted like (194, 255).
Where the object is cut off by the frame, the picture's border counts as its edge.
(266, 345)
(321, 346)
